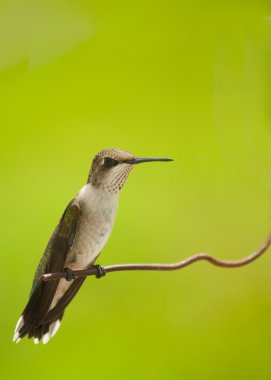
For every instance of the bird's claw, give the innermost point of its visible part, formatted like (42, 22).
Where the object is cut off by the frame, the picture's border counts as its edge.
(70, 275)
(100, 271)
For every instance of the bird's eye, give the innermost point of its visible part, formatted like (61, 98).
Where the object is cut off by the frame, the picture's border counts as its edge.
(110, 162)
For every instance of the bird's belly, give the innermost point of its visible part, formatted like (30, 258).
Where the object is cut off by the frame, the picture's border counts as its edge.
(87, 246)
(89, 241)
(92, 233)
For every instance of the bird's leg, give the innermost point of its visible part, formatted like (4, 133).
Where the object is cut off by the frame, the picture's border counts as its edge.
(100, 271)
(69, 274)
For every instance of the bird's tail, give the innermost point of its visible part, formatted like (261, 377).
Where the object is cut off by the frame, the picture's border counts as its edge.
(28, 321)
(36, 320)
(42, 333)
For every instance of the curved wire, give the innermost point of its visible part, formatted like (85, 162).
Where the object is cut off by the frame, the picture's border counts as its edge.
(96, 270)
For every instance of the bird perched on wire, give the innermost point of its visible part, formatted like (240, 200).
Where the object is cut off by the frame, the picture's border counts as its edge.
(76, 243)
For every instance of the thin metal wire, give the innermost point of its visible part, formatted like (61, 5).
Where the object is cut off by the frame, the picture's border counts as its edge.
(94, 271)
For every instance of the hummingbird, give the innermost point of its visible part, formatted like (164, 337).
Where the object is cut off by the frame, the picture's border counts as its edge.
(76, 242)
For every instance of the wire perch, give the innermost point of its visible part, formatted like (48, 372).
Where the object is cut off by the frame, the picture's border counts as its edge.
(96, 270)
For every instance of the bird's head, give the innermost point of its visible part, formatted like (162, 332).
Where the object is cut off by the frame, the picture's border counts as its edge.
(111, 167)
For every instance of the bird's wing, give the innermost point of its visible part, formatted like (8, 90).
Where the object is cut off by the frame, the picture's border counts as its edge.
(60, 243)
(53, 261)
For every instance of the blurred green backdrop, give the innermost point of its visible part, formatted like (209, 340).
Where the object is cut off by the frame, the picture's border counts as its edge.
(189, 80)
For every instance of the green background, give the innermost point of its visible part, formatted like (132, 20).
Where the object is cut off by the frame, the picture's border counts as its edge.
(188, 80)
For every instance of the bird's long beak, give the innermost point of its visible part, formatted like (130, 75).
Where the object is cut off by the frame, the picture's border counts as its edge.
(138, 160)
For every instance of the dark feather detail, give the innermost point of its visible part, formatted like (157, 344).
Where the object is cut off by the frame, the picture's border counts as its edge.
(41, 330)
(35, 321)
(65, 300)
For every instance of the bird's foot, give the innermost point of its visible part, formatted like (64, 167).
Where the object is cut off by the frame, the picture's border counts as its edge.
(100, 271)
(70, 275)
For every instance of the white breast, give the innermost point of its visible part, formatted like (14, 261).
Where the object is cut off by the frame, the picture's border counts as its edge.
(98, 214)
